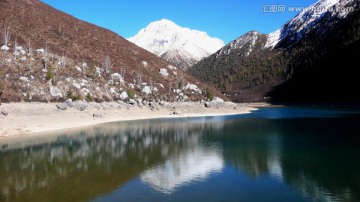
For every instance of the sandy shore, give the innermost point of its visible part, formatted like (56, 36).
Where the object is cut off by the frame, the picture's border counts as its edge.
(29, 118)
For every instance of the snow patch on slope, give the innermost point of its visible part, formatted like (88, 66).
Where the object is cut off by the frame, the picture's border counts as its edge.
(301, 22)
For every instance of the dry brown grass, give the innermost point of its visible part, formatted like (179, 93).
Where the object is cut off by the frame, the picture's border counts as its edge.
(64, 36)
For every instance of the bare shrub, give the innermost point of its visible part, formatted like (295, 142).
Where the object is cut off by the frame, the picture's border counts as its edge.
(7, 35)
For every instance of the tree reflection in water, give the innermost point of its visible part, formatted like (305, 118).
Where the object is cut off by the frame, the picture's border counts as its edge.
(84, 163)
(318, 157)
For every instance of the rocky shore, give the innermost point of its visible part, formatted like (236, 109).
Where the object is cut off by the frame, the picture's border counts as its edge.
(18, 119)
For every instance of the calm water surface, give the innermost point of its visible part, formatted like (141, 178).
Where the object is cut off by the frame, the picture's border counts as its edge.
(274, 154)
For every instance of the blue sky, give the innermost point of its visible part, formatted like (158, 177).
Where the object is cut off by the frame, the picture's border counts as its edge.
(225, 19)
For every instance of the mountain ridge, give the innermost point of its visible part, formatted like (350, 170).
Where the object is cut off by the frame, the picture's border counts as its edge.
(257, 74)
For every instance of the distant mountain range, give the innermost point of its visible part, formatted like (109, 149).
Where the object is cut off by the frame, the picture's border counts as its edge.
(311, 58)
(181, 46)
(47, 54)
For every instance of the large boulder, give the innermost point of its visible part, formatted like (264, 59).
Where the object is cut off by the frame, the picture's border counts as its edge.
(97, 115)
(124, 96)
(69, 102)
(77, 86)
(117, 77)
(218, 100)
(164, 72)
(55, 92)
(208, 105)
(97, 106)
(5, 48)
(78, 69)
(192, 87)
(131, 86)
(139, 101)
(81, 106)
(146, 90)
(40, 51)
(62, 106)
(132, 101)
(162, 103)
(5, 113)
(24, 79)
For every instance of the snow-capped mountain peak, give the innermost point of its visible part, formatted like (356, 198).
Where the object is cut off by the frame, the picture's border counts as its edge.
(179, 45)
(306, 20)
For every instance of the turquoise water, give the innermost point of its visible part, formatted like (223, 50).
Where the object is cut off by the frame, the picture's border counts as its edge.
(274, 154)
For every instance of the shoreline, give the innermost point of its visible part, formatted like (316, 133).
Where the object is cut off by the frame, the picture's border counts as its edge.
(24, 119)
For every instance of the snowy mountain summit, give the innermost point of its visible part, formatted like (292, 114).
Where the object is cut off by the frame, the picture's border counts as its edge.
(311, 18)
(181, 46)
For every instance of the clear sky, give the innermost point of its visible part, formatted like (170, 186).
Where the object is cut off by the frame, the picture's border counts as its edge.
(225, 19)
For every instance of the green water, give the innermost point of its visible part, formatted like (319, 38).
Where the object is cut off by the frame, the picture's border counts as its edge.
(274, 154)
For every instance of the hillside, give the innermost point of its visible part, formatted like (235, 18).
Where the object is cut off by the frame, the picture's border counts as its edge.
(50, 54)
(181, 46)
(306, 60)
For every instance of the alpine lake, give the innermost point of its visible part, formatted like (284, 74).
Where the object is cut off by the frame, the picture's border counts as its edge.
(273, 154)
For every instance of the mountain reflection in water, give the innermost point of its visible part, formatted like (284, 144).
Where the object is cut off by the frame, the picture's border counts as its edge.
(228, 158)
(192, 165)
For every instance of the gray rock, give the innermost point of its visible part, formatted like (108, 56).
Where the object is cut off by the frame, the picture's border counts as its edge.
(62, 106)
(218, 100)
(151, 105)
(81, 106)
(69, 102)
(105, 105)
(146, 90)
(164, 72)
(132, 101)
(97, 116)
(4, 48)
(139, 101)
(77, 86)
(97, 106)
(112, 105)
(207, 104)
(55, 92)
(24, 79)
(5, 113)
(124, 95)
